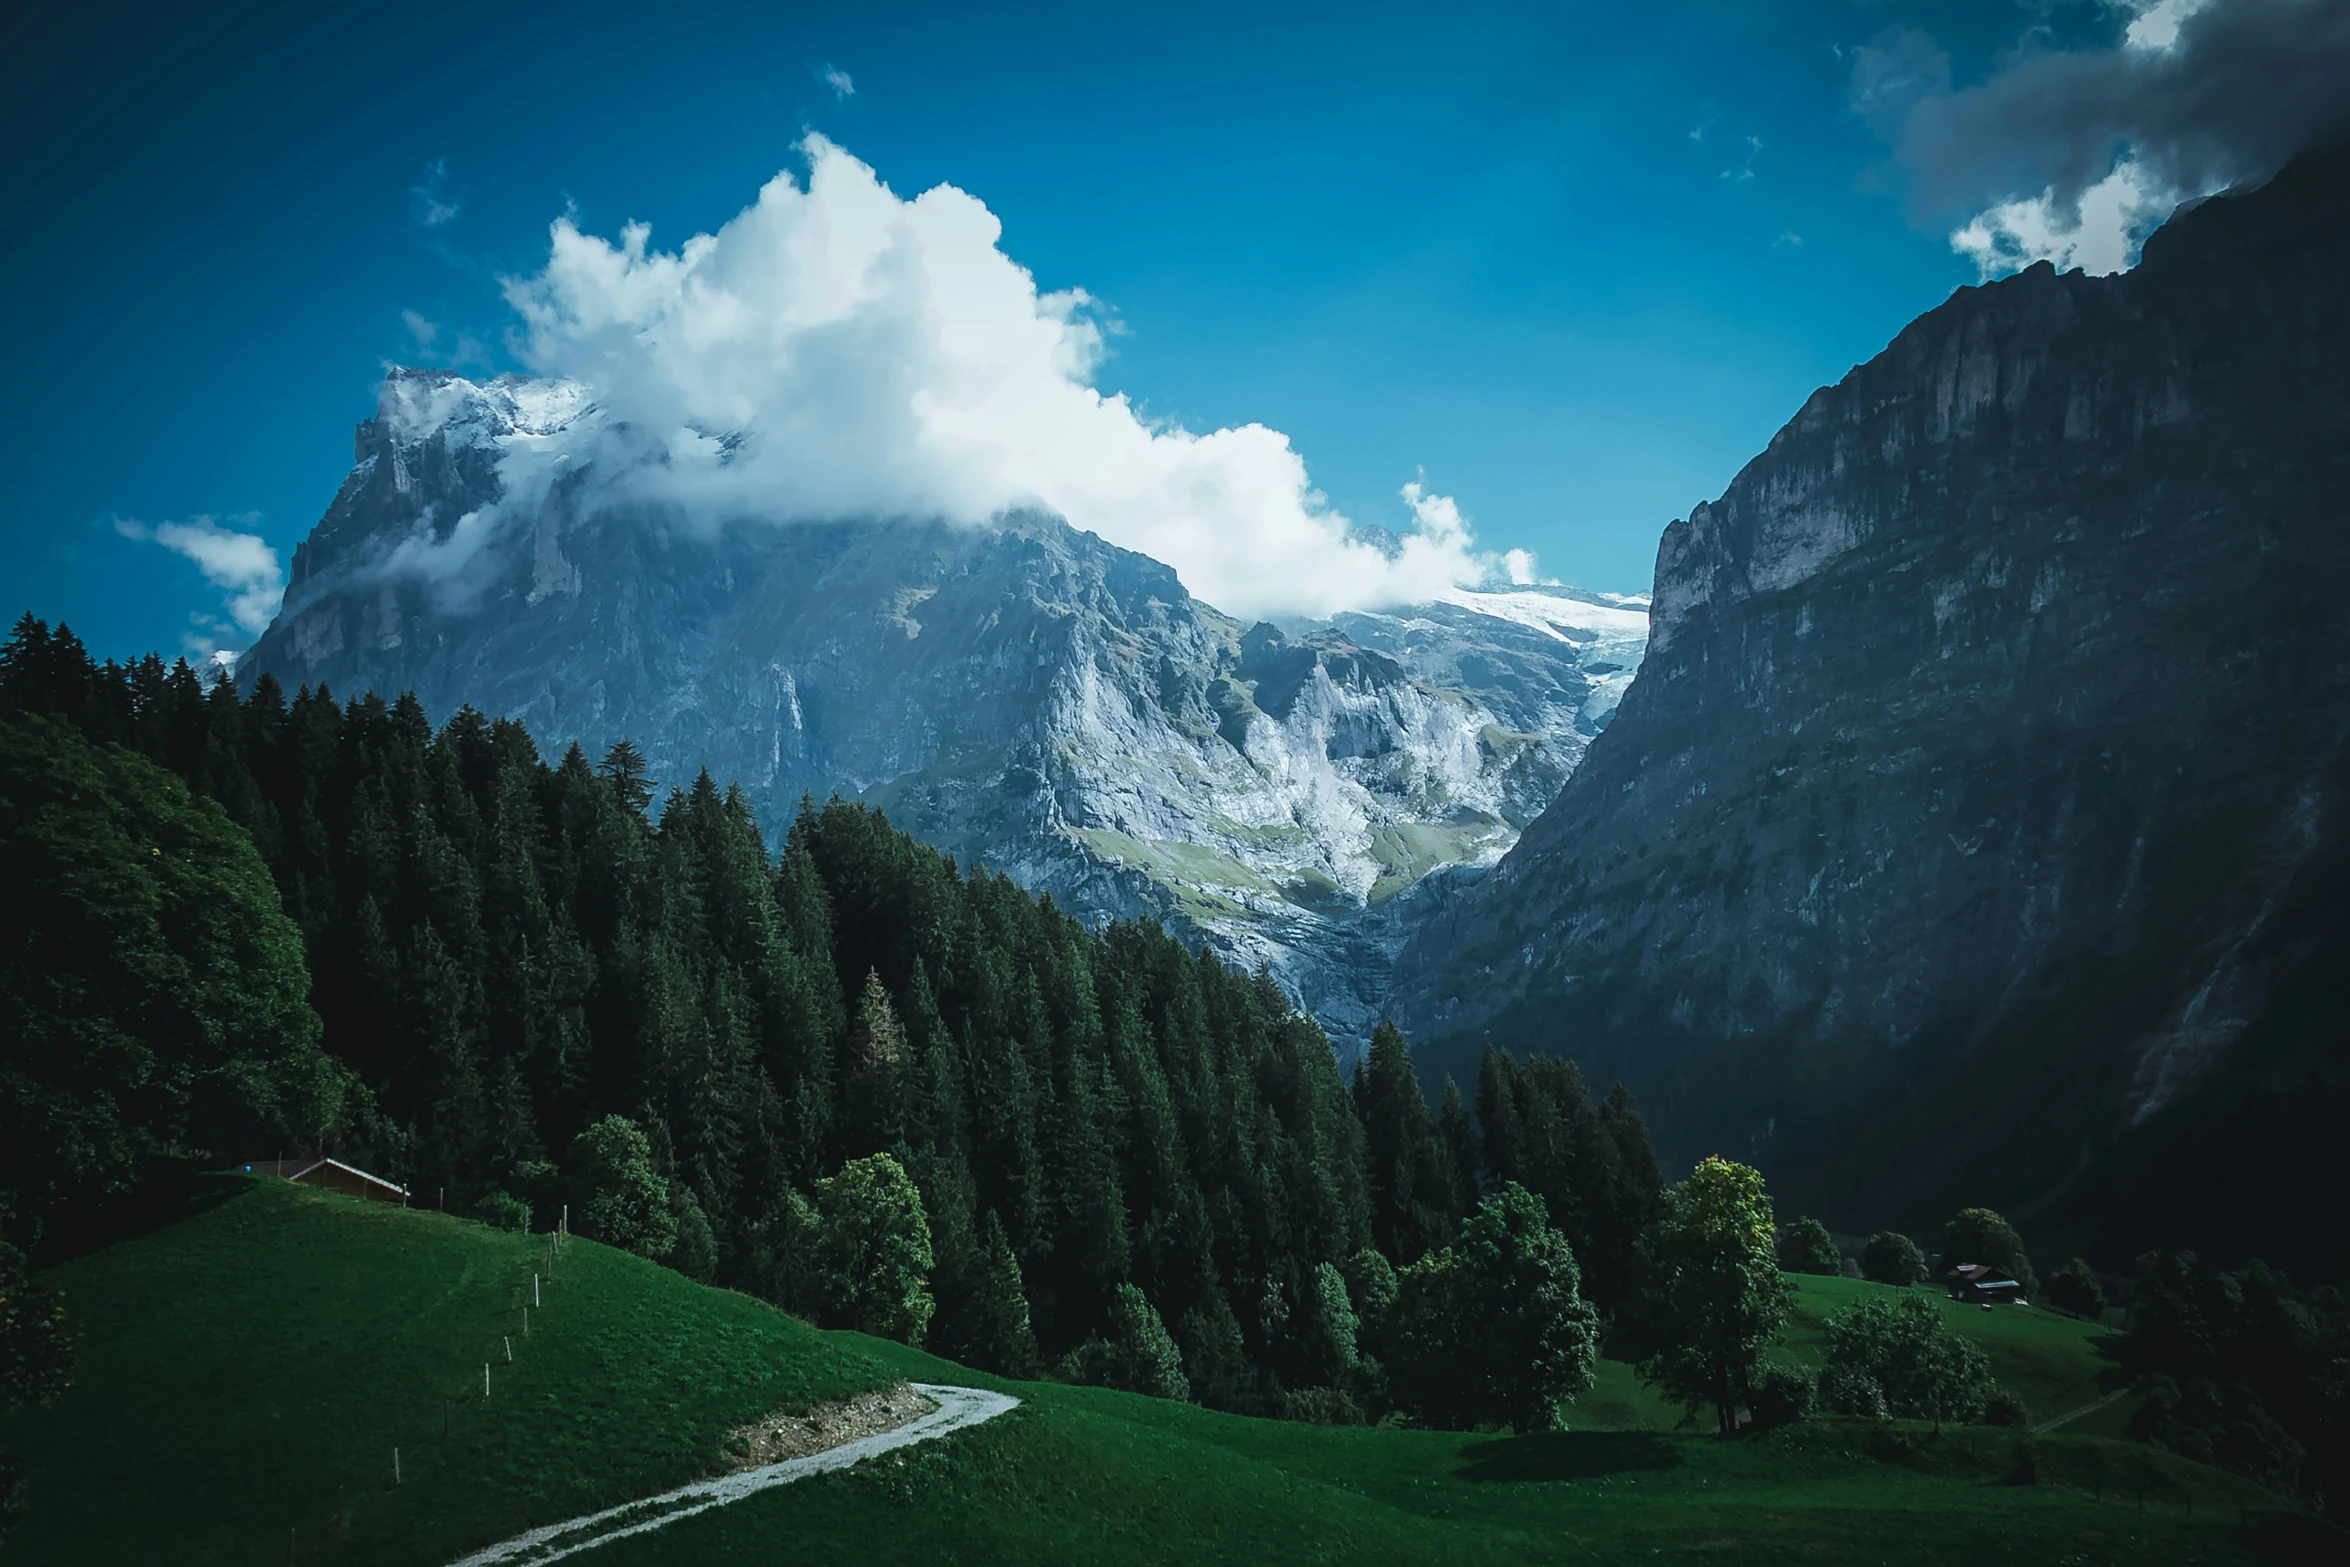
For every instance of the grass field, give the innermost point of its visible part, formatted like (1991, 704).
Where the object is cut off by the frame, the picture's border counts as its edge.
(247, 1371)
(2054, 1362)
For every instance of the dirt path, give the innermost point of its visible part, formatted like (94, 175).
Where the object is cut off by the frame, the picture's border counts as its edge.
(957, 1407)
(2075, 1414)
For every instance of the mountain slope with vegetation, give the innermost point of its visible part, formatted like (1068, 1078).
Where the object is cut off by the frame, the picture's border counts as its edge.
(851, 1081)
(543, 994)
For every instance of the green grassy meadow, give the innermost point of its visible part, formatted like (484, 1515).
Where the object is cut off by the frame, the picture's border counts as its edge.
(2053, 1361)
(246, 1372)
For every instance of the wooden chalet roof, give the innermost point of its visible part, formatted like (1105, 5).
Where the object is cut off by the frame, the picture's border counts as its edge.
(312, 1171)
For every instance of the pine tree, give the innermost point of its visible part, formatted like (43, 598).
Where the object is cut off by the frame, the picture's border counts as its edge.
(625, 769)
(1000, 1340)
(1147, 1361)
(1459, 1137)
(1410, 1174)
(873, 1074)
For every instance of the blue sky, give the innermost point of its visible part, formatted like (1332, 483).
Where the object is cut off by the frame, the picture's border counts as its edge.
(1572, 263)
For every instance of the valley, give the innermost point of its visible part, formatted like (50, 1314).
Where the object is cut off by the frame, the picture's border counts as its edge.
(631, 1375)
(949, 872)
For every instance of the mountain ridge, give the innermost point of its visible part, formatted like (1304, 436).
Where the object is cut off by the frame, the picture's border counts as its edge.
(1020, 693)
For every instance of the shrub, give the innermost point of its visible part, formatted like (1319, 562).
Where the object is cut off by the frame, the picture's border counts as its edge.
(1320, 1406)
(696, 1253)
(1139, 1357)
(1926, 1372)
(1781, 1395)
(502, 1212)
(2074, 1288)
(1892, 1258)
(1845, 1390)
(2027, 1463)
(2006, 1407)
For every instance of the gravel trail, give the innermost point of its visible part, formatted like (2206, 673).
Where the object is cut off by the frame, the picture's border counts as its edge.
(958, 1407)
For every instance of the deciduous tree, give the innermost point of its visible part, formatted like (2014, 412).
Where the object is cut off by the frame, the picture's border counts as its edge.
(1978, 1235)
(1714, 1292)
(1806, 1248)
(626, 1202)
(1494, 1328)
(1892, 1258)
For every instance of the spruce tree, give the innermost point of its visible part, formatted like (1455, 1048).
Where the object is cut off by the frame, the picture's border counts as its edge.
(1410, 1173)
(1000, 1340)
(1460, 1149)
(1145, 1358)
(513, 952)
(873, 1073)
(624, 767)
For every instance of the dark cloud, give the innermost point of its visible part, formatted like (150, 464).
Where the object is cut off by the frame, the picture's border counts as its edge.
(2243, 86)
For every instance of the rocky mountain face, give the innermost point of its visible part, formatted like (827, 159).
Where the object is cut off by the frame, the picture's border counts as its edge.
(1024, 695)
(1974, 829)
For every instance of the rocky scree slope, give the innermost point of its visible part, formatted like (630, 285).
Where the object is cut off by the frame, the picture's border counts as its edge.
(1979, 807)
(1023, 694)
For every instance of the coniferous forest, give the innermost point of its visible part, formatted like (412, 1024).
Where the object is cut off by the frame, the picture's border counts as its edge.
(887, 1092)
(506, 954)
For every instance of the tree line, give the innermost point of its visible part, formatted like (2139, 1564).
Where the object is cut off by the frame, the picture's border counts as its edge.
(512, 983)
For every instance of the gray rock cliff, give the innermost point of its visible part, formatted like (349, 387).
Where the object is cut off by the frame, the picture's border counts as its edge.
(1024, 695)
(1978, 794)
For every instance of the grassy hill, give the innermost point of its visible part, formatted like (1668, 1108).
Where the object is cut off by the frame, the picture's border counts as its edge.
(2055, 1362)
(247, 1370)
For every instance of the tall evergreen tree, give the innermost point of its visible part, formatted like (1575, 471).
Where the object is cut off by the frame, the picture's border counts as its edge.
(1411, 1178)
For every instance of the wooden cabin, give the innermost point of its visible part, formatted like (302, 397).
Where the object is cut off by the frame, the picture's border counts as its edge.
(335, 1176)
(1974, 1281)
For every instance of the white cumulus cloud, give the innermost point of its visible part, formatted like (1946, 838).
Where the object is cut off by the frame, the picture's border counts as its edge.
(241, 565)
(837, 350)
(838, 80)
(2099, 233)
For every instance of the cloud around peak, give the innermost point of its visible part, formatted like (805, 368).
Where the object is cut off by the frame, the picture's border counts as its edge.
(836, 350)
(2075, 155)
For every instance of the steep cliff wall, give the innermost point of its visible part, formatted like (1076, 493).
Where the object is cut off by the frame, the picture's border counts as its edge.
(1992, 722)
